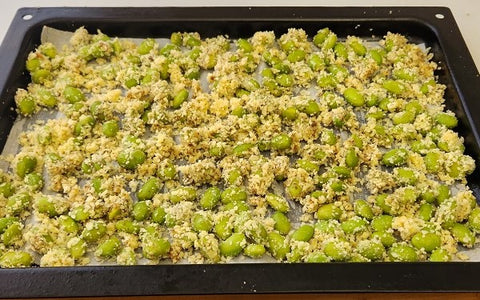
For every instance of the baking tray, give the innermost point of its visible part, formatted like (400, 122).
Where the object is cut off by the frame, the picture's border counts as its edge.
(433, 26)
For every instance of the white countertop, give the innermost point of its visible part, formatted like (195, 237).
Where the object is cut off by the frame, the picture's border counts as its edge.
(466, 12)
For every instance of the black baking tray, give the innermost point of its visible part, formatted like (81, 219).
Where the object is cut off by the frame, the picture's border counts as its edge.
(433, 26)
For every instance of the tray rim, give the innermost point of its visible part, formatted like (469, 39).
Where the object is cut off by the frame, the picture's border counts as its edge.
(256, 277)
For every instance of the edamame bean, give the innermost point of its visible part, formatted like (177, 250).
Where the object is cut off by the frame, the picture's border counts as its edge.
(342, 172)
(149, 189)
(406, 176)
(210, 197)
(308, 166)
(316, 63)
(351, 158)
(296, 55)
(448, 120)
(131, 158)
(17, 203)
(425, 211)
(328, 137)
(26, 105)
(443, 193)
(128, 226)
(382, 222)
(26, 165)
(335, 251)
(402, 253)
(6, 189)
(404, 117)
(320, 37)
(463, 235)
(233, 245)
(277, 245)
(304, 233)
(84, 125)
(290, 113)
(110, 128)
(179, 98)
(316, 257)
(277, 202)
(12, 234)
(285, 80)
(146, 46)
(371, 249)
(407, 75)
(353, 97)
(240, 149)
(233, 194)
(329, 211)
(73, 94)
(223, 229)
(154, 247)
(254, 250)
(281, 142)
(354, 225)
(363, 209)
(201, 222)
(395, 157)
(109, 248)
(16, 259)
(473, 220)
(68, 224)
(431, 160)
(358, 48)
(380, 202)
(394, 87)
(341, 51)
(376, 56)
(385, 237)
(439, 255)
(40, 76)
(327, 81)
(34, 181)
(282, 224)
(141, 211)
(244, 45)
(32, 64)
(312, 108)
(46, 206)
(77, 247)
(176, 38)
(93, 231)
(426, 240)
(5, 222)
(167, 173)
(184, 193)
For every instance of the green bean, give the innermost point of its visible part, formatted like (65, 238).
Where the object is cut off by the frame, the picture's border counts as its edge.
(394, 87)
(304, 233)
(26, 165)
(233, 194)
(154, 247)
(371, 249)
(34, 181)
(335, 251)
(17, 203)
(385, 237)
(12, 234)
(244, 45)
(93, 231)
(179, 98)
(358, 48)
(110, 128)
(16, 259)
(402, 253)
(439, 255)
(425, 211)
(329, 211)
(463, 235)
(68, 224)
(448, 120)
(405, 117)
(315, 63)
(351, 158)
(149, 189)
(428, 241)
(201, 222)
(363, 209)
(395, 157)
(109, 248)
(6, 189)
(128, 226)
(277, 245)
(316, 257)
(254, 250)
(277, 202)
(131, 158)
(233, 245)
(354, 97)
(40, 76)
(73, 94)
(281, 142)
(146, 46)
(77, 247)
(282, 224)
(354, 225)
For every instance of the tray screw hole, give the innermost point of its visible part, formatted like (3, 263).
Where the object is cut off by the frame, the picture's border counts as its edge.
(440, 16)
(27, 17)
